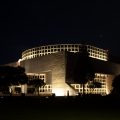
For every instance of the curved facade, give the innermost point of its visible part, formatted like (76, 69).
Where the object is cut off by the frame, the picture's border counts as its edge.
(51, 63)
(94, 52)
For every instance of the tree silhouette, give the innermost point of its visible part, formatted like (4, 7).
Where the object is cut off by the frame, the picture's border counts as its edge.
(83, 71)
(94, 84)
(116, 86)
(11, 76)
(36, 83)
(97, 84)
(20, 77)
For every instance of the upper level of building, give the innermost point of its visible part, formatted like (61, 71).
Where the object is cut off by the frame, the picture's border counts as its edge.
(94, 52)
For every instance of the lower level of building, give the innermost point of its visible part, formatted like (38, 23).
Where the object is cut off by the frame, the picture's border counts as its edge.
(64, 89)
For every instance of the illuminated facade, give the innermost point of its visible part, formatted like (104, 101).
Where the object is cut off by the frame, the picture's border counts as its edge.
(94, 52)
(49, 63)
(54, 64)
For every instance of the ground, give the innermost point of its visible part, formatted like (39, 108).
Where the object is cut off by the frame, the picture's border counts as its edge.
(43, 108)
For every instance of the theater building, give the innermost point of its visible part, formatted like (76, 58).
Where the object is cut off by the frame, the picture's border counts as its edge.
(55, 65)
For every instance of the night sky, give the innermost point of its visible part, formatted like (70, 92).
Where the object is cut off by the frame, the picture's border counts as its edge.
(28, 24)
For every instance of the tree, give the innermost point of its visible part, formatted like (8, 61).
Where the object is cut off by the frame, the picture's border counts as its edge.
(36, 83)
(19, 77)
(5, 76)
(116, 86)
(83, 69)
(94, 84)
(97, 84)
(11, 76)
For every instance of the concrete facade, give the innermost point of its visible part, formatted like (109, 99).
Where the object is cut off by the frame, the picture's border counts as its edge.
(56, 65)
(59, 70)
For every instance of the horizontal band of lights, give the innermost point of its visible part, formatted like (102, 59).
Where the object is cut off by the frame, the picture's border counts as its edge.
(94, 52)
(36, 76)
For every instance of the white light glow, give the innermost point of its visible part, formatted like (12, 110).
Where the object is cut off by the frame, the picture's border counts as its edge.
(40, 51)
(18, 62)
(59, 92)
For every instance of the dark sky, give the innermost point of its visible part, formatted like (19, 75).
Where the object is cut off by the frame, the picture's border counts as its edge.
(29, 24)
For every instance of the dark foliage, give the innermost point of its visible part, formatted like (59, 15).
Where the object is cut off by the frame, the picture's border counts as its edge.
(116, 86)
(36, 83)
(94, 84)
(12, 76)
